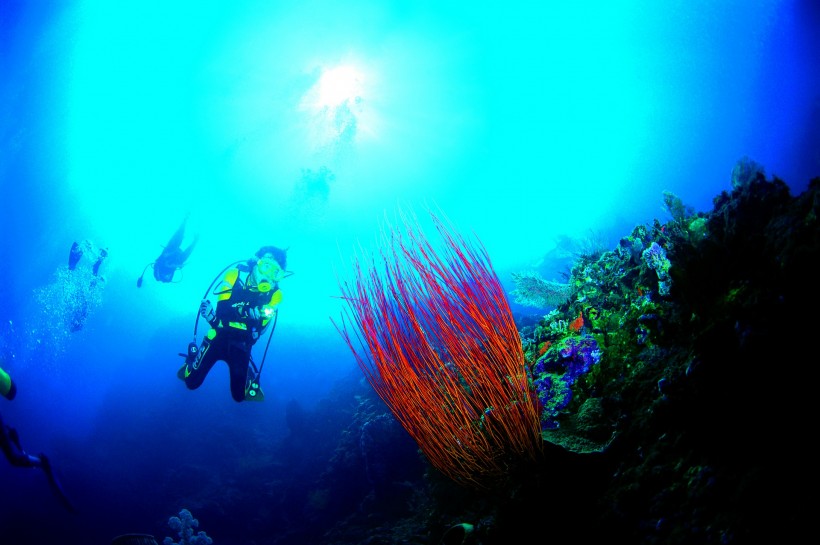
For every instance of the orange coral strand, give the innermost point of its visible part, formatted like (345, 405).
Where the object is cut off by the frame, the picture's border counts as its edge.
(438, 343)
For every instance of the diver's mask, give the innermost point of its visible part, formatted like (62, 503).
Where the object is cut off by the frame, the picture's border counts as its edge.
(266, 274)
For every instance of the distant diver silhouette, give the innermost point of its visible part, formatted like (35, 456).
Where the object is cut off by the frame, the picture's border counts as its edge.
(83, 296)
(172, 258)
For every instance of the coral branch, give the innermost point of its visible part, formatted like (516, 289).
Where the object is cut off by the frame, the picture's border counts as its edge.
(532, 290)
(438, 343)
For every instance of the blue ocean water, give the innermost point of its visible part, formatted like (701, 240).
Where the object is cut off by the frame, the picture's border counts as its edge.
(309, 126)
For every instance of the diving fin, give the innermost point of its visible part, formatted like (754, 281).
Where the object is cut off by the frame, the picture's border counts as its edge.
(253, 391)
(45, 464)
(74, 256)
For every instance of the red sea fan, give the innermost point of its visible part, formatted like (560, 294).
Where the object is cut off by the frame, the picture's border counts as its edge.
(438, 343)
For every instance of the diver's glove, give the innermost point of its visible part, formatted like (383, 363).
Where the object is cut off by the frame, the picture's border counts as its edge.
(260, 313)
(206, 310)
(254, 314)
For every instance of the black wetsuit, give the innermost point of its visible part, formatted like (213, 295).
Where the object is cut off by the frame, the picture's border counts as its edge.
(236, 333)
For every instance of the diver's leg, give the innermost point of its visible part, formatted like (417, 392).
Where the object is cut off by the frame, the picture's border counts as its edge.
(194, 373)
(15, 437)
(238, 366)
(184, 255)
(10, 445)
(74, 256)
(100, 257)
(7, 444)
(176, 239)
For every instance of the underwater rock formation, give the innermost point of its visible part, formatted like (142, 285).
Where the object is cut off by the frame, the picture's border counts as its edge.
(688, 427)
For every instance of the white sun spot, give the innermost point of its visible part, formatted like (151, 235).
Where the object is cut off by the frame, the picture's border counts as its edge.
(338, 86)
(334, 105)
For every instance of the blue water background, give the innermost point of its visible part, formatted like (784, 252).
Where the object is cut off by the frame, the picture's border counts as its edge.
(308, 125)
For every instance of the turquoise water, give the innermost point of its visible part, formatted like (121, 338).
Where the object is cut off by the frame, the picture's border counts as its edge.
(308, 125)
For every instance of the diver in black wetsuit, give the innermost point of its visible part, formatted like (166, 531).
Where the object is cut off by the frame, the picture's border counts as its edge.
(10, 445)
(172, 258)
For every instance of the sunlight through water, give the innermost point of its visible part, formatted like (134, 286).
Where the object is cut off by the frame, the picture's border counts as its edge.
(333, 106)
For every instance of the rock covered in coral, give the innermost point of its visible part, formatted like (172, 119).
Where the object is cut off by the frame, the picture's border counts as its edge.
(699, 380)
(185, 525)
(556, 371)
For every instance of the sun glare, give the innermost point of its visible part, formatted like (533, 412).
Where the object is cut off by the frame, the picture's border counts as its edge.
(335, 108)
(338, 86)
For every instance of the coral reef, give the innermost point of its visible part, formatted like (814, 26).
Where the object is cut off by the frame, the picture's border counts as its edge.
(185, 525)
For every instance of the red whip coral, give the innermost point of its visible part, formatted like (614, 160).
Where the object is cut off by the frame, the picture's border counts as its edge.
(438, 343)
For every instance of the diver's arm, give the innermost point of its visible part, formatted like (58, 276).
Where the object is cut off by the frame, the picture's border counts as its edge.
(239, 312)
(224, 311)
(267, 312)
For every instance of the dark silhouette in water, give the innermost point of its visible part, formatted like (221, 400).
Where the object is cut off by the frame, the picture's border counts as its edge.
(172, 258)
(78, 250)
(10, 445)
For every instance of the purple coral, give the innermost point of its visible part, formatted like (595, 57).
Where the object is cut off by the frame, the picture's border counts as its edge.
(557, 370)
(572, 358)
(580, 354)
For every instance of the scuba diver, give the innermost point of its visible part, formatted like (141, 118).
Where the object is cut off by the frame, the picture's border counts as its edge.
(79, 249)
(82, 298)
(172, 258)
(244, 309)
(10, 445)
